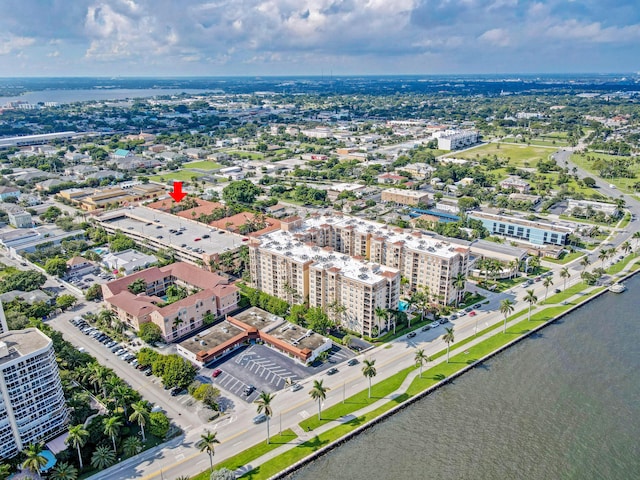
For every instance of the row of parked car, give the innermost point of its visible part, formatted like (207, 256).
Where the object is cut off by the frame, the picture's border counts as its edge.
(117, 349)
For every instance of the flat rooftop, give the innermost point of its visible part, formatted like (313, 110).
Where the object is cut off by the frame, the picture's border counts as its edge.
(149, 223)
(258, 318)
(436, 247)
(211, 337)
(407, 193)
(519, 221)
(298, 336)
(23, 342)
(284, 243)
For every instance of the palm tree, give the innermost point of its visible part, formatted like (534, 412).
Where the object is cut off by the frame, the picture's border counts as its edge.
(421, 358)
(207, 444)
(626, 247)
(584, 263)
(103, 457)
(131, 446)
(319, 393)
(459, 282)
(122, 395)
(547, 282)
(140, 415)
(264, 405)
(35, 460)
(636, 237)
(448, 339)
(64, 471)
(369, 371)
(5, 471)
(531, 299)
(77, 438)
(112, 428)
(564, 273)
(381, 314)
(98, 376)
(602, 256)
(506, 308)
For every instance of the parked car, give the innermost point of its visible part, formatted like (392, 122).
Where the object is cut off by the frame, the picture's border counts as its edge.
(216, 373)
(426, 327)
(295, 387)
(411, 334)
(434, 324)
(176, 391)
(557, 290)
(468, 309)
(352, 362)
(453, 316)
(472, 313)
(249, 389)
(477, 305)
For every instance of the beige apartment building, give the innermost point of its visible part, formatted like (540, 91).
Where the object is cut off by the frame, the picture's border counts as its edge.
(422, 259)
(405, 197)
(348, 288)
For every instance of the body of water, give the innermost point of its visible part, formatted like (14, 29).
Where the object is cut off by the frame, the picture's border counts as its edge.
(563, 404)
(85, 95)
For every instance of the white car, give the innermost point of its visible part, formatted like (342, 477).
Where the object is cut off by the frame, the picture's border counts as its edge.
(435, 324)
(295, 387)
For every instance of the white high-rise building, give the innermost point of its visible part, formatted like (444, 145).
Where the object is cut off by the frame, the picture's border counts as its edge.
(32, 404)
(3, 320)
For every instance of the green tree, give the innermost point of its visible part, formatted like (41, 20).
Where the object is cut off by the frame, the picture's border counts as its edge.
(319, 393)
(564, 274)
(102, 458)
(120, 243)
(77, 438)
(5, 471)
(64, 302)
(421, 358)
(318, 320)
(264, 406)
(56, 266)
(150, 333)
(25, 281)
(459, 283)
(207, 394)
(64, 471)
(94, 292)
(381, 314)
(35, 460)
(448, 339)
(140, 415)
(506, 308)
(207, 444)
(178, 372)
(546, 284)
(137, 286)
(531, 299)
(112, 429)
(131, 446)
(158, 424)
(241, 191)
(369, 371)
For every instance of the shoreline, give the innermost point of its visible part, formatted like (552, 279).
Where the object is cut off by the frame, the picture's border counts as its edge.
(421, 395)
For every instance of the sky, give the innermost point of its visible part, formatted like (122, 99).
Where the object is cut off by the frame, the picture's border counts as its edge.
(316, 37)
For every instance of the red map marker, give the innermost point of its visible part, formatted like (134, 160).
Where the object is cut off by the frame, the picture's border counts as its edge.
(177, 193)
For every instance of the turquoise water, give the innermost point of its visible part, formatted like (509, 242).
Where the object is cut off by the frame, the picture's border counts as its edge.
(51, 460)
(99, 251)
(403, 306)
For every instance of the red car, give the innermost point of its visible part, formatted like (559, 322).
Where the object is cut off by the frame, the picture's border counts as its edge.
(197, 239)
(472, 314)
(216, 372)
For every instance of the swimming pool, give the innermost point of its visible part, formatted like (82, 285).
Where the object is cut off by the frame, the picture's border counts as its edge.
(403, 306)
(100, 251)
(51, 460)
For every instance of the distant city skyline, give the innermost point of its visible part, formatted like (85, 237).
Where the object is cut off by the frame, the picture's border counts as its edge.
(316, 37)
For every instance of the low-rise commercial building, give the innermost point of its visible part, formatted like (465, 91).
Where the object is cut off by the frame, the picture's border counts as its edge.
(214, 297)
(537, 233)
(20, 219)
(128, 261)
(405, 197)
(32, 403)
(251, 325)
(27, 240)
(90, 199)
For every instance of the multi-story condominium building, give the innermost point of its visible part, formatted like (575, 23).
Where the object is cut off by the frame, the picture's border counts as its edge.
(456, 139)
(349, 289)
(32, 404)
(537, 233)
(421, 259)
(213, 297)
(3, 320)
(516, 183)
(405, 197)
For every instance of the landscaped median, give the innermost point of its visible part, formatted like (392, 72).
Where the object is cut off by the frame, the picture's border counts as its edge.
(247, 456)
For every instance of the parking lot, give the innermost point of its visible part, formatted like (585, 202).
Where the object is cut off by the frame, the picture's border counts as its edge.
(266, 369)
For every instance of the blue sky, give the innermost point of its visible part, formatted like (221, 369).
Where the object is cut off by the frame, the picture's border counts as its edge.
(314, 37)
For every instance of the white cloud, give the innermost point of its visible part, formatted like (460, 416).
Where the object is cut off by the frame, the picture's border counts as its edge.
(11, 43)
(594, 32)
(498, 37)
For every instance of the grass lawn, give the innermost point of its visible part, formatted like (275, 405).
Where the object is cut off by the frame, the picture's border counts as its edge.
(178, 175)
(203, 165)
(624, 184)
(564, 258)
(518, 155)
(562, 296)
(246, 456)
(500, 285)
(625, 220)
(617, 267)
(583, 220)
(357, 401)
(243, 154)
